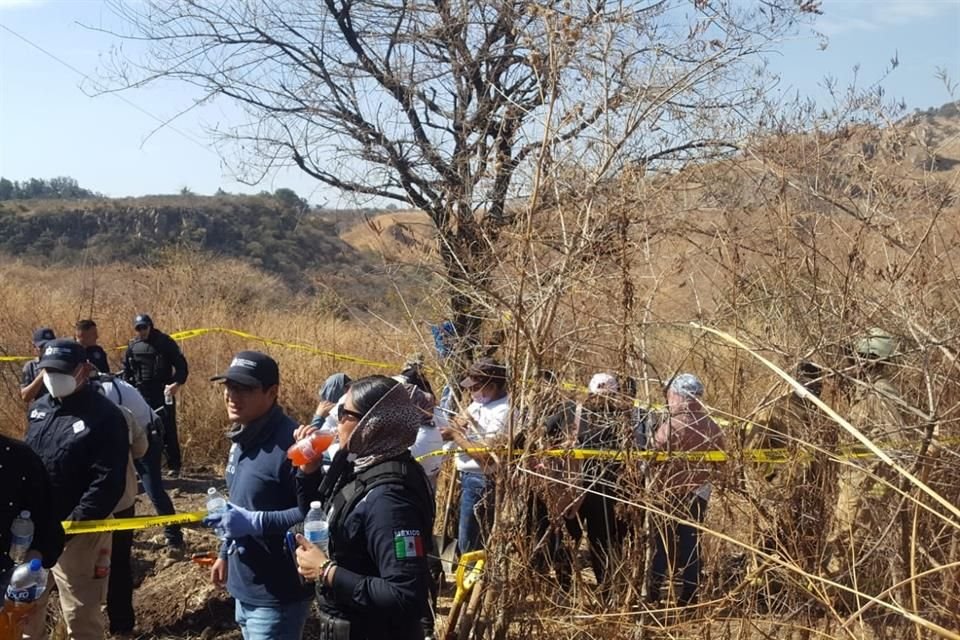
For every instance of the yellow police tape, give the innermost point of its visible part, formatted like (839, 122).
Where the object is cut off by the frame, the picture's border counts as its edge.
(196, 333)
(131, 524)
(760, 456)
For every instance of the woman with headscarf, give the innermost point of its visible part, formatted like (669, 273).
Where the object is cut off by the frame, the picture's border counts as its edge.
(684, 487)
(374, 581)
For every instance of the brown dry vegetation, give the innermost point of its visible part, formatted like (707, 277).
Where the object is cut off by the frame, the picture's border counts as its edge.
(190, 291)
(796, 247)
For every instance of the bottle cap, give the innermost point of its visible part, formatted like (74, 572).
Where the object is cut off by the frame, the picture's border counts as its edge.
(316, 504)
(35, 564)
(25, 514)
(211, 491)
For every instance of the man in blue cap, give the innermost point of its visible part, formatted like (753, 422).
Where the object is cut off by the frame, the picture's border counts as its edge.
(254, 563)
(81, 438)
(31, 384)
(154, 364)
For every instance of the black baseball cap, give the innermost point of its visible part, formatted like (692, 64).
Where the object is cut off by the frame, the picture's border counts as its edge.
(251, 369)
(482, 371)
(62, 355)
(142, 320)
(42, 335)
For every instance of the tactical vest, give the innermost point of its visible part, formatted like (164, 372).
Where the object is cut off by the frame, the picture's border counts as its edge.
(150, 367)
(404, 471)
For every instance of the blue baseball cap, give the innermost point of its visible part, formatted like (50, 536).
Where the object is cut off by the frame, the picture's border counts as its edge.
(42, 335)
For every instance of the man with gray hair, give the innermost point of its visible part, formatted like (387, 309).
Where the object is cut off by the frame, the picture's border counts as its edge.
(684, 487)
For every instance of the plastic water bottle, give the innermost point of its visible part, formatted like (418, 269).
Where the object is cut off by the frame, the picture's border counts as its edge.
(101, 568)
(27, 583)
(167, 398)
(216, 505)
(315, 526)
(21, 537)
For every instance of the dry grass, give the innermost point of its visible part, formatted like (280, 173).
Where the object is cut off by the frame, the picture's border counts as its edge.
(189, 291)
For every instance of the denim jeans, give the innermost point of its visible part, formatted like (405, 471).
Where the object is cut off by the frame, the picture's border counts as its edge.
(282, 622)
(148, 468)
(677, 546)
(476, 509)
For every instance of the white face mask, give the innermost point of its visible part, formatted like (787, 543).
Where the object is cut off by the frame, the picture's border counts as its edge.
(480, 397)
(60, 385)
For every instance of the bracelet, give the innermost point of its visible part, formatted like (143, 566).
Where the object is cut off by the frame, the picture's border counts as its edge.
(325, 570)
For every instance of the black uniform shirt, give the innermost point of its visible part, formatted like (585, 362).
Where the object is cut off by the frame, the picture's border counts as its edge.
(98, 358)
(24, 485)
(30, 372)
(83, 442)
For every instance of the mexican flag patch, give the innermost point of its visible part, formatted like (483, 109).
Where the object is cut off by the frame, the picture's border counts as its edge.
(408, 544)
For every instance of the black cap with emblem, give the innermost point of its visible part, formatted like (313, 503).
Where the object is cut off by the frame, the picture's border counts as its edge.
(62, 355)
(251, 369)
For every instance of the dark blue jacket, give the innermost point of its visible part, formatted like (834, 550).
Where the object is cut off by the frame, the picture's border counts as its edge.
(84, 444)
(260, 570)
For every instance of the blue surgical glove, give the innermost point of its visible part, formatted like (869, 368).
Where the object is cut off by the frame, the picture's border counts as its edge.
(237, 522)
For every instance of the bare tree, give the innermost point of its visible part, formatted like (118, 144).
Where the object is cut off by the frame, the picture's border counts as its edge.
(460, 107)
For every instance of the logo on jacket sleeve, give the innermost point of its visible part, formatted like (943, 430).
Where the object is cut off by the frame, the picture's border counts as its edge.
(407, 543)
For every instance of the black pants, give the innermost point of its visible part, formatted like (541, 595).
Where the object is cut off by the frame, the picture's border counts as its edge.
(171, 442)
(120, 582)
(552, 552)
(677, 546)
(148, 467)
(605, 532)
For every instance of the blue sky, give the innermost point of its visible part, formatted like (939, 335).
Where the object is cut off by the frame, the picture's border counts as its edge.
(50, 127)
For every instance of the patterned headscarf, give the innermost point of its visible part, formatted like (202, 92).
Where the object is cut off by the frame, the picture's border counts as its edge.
(388, 429)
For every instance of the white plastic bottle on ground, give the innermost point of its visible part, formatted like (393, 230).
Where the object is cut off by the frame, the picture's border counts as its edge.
(21, 537)
(216, 505)
(315, 526)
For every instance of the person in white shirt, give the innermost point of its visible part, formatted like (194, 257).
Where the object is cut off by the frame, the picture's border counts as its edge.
(140, 417)
(428, 435)
(483, 425)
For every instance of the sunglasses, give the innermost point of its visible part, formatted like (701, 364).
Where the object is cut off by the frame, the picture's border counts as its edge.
(343, 412)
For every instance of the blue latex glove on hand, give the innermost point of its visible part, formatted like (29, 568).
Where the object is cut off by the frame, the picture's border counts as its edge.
(236, 522)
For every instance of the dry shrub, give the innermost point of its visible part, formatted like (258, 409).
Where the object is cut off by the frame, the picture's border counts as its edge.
(797, 247)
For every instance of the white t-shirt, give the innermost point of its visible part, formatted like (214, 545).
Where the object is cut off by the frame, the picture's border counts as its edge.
(492, 418)
(428, 440)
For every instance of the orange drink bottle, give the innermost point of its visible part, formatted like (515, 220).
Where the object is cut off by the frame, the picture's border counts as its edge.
(309, 449)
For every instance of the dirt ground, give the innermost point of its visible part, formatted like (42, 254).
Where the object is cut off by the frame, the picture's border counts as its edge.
(173, 596)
